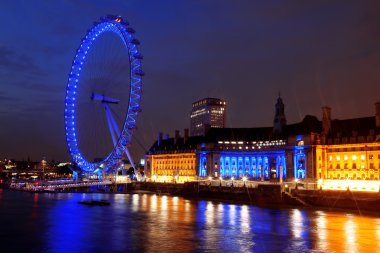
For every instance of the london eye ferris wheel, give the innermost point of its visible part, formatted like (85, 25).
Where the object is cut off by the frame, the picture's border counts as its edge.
(103, 96)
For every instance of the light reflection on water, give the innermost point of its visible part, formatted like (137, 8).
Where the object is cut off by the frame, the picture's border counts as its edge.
(321, 227)
(151, 223)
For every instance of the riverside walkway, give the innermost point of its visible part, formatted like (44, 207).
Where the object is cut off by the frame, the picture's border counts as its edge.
(52, 186)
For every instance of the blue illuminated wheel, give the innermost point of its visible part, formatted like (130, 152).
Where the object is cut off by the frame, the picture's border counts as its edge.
(121, 138)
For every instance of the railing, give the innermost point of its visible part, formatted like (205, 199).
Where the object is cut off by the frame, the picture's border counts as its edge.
(234, 183)
(52, 186)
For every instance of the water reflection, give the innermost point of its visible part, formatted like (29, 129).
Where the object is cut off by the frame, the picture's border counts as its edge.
(151, 223)
(350, 234)
(321, 225)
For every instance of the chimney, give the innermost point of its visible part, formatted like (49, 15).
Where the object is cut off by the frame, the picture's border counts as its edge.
(185, 135)
(176, 136)
(159, 138)
(326, 120)
(377, 105)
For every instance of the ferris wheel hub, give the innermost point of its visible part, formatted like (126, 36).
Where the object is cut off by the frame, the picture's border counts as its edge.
(104, 99)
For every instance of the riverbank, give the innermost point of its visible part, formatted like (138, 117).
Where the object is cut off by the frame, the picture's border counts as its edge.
(261, 194)
(270, 195)
(343, 200)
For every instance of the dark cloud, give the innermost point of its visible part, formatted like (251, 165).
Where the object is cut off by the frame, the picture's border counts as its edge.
(13, 62)
(5, 97)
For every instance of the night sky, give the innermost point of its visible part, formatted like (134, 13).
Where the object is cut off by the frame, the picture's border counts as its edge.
(315, 53)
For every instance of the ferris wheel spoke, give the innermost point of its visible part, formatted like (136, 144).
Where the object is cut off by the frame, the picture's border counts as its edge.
(114, 129)
(110, 126)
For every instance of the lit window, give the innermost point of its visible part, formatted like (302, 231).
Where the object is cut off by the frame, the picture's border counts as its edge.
(338, 158)
(345, 158)
(330, 158)
(354, 157)
(362, 157)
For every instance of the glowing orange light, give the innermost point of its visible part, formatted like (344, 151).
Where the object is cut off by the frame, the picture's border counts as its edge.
(352, 185)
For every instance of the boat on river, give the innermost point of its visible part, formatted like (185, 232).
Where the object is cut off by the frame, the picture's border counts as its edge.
(94, 202)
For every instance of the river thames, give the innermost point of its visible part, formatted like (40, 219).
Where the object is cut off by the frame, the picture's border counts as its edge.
(56, 222)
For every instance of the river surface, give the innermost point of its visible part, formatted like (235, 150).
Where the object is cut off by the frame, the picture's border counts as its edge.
(55, 222)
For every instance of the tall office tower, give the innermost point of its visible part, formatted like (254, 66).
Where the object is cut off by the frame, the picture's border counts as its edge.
(206, 113)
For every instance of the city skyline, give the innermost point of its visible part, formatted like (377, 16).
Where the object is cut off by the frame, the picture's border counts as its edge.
(315, 54)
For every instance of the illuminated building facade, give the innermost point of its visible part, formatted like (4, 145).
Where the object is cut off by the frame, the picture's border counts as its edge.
(335, 153)
(349, 153)
(260, 153)
(242, 152)
(207, 113)
(359, 161)
(173, 167)
(172, 159)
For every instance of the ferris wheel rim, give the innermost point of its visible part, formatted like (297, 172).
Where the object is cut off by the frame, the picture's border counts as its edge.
(120, 26)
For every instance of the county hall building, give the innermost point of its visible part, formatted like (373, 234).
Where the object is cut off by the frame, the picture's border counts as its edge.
(326, 151)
